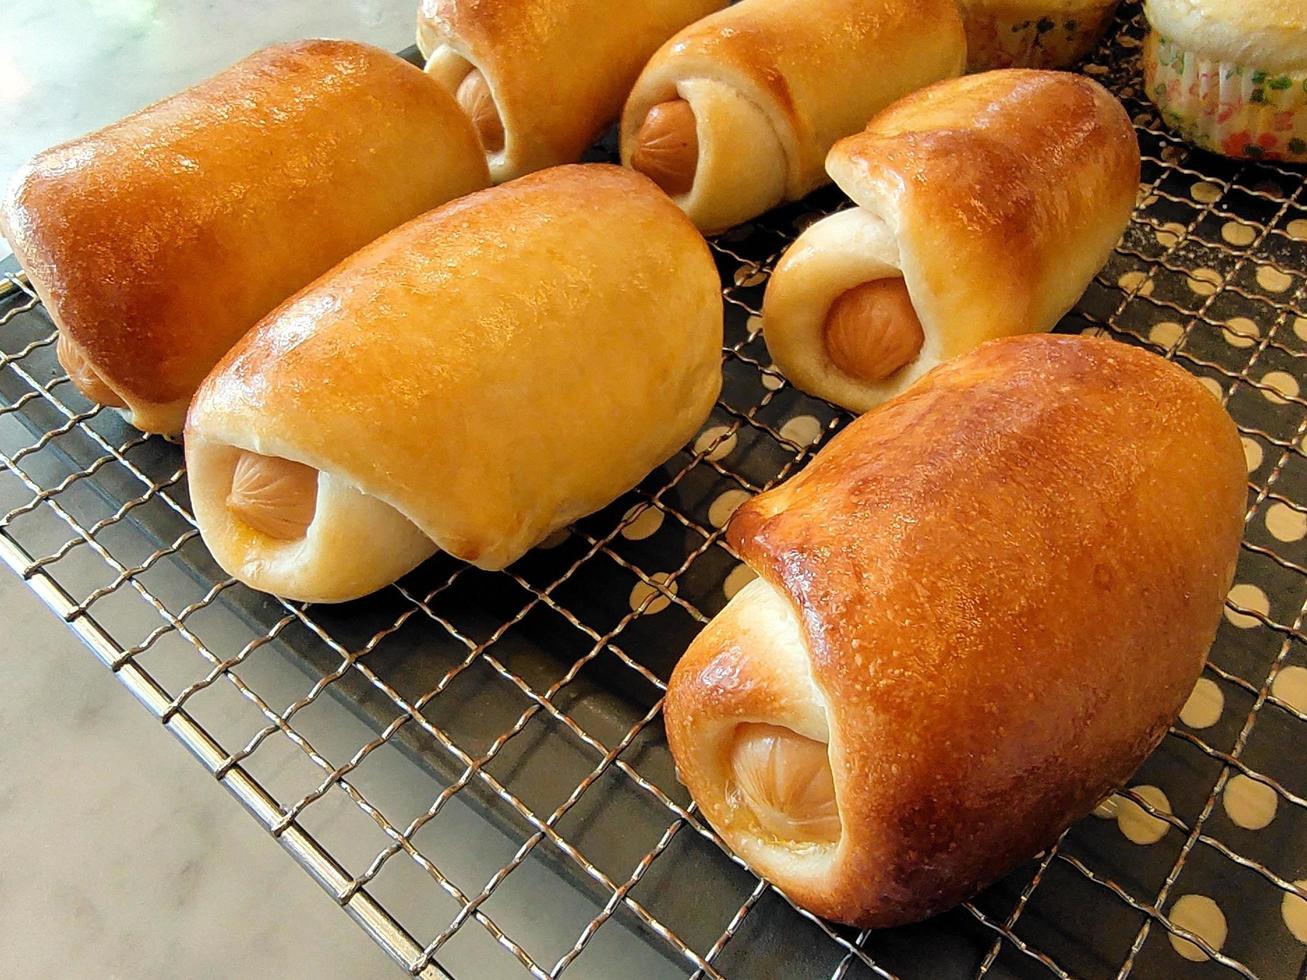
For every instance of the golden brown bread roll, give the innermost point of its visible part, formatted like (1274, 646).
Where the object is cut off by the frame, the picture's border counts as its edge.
(735, 114)
(978, 610)
(985, 206)
(472, 382)
(158, 241)
(543, 78)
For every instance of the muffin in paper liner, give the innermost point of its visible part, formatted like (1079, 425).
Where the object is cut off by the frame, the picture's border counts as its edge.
(1026, 34)
(1228, 108)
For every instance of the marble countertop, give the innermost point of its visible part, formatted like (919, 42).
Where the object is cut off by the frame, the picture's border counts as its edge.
(121, 856)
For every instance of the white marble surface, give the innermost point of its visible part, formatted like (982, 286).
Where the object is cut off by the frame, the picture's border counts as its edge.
(119, 855)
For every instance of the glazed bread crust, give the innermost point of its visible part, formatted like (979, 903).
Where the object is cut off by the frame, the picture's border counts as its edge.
(559, 70)
(996, 196)
(810, 72)
(1003, 585)
(485, 375)
(161, 239)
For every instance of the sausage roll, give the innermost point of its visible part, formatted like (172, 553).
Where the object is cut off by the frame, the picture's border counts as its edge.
(985, 206)
(158, 241)
(735, 114)
(978, 610)
(471, 382)
(541, 79)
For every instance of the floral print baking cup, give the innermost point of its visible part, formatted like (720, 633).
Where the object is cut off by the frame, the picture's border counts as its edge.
(1236, 110)
(1050, 35)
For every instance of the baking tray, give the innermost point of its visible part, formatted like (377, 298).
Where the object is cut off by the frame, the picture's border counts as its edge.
(473, 766)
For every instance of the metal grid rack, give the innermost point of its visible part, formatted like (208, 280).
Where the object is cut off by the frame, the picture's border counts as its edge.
(472, 764)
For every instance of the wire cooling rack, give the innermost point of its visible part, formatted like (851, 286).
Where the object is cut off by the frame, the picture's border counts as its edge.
(473, 765)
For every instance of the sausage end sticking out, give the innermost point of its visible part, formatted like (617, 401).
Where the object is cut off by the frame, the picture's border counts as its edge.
(785, 781)
(872, 330)
(477, 101)
(667, 146)
(276, 497)
(88, 382)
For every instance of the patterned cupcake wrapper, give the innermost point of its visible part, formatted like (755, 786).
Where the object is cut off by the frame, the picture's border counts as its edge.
(998, 40)
(1236, 110)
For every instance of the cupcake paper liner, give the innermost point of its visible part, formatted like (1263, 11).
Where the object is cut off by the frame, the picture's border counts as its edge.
(1228, 108)
(1014, 39)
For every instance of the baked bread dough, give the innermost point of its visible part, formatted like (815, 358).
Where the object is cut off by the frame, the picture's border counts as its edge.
(543, 78)
(978, 610)
(158, 241)
(471, 382)
(986, 204)
(735, 114)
